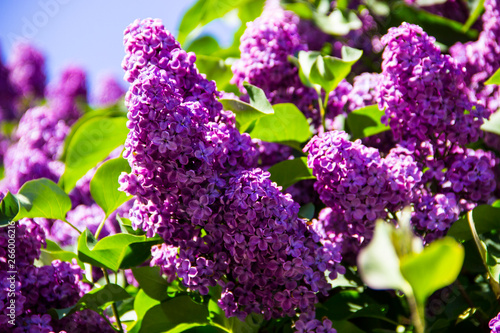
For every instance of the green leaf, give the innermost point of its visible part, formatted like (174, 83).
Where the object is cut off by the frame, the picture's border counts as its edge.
(347, 326)
(302, 9)
(327, 71)
(351, 304)
(151, 282)
(492, 247)
(474, 15)
(287, 125)
(437, 266)
(486, 218)
(492, 125)
(258, 98)
(143, 303)
(338, 23)
(446, 31)
(103, 297)
(174, 314)
(306, 60)
(104, 185)
(115, 251)
(97, 300)
(203, 12)
(289, 172)
(246, 114)
(307, 211)
(494, 79)
(204, 45)
(91, 143)
(216, 69)
(366, 122)
(378, 262)
(53, 251)
(9, 208)
(117, 110)
(42, 198)
(247, 12)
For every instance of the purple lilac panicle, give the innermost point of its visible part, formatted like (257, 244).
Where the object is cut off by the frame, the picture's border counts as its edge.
(357, 184)
(424, 93)
(481, 57)
(27, 71)
(8, 95)
(40, 135)
(37, 289)
(265, 47)
(109, 91)
(64, 95)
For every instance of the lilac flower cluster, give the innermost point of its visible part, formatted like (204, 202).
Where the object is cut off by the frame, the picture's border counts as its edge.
(357, 184)
(29, 239)
(423, 92)
(364, 91)
(265, 47)
(109, 91)
(27, 71)
(480, 57)
(40, 135)
(55, 286)
(8, 95)
(37, 289)
(41, 129)
(222, 221)
(64, 95)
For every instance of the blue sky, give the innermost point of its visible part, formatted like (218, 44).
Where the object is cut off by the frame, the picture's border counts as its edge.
(85, 32)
